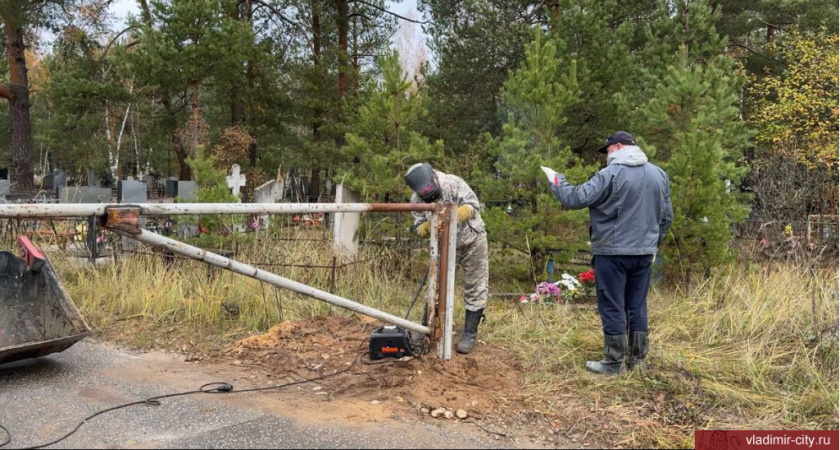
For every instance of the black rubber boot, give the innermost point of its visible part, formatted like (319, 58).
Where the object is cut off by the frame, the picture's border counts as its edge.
(614, 349)
(639, 347)
(471, 321)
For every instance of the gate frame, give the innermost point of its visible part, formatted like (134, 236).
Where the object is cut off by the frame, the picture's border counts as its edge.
(124, 219)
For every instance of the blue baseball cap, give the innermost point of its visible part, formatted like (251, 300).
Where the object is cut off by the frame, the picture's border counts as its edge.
(619, 137)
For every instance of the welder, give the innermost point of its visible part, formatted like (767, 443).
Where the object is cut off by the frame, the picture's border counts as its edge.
(430, 185)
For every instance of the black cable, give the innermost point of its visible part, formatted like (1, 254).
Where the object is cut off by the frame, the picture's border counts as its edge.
(8, 436)
(416, 294)
(218, 388)
(227, 388)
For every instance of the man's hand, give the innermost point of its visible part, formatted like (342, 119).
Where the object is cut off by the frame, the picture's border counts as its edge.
(551, 175)
(464, 213)
(423, 230)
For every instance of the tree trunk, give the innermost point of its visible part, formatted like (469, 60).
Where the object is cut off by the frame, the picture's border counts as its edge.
(196, 119)
(175, 141)
(343, 59)
(314, 184)
(237, 105)
(21, 173)
(184, 173)
(315, 178)
(249, 91)
(355, 55)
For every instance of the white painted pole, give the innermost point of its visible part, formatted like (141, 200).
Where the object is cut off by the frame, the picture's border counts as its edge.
(450, 285)
(214, 259)
(173, 209)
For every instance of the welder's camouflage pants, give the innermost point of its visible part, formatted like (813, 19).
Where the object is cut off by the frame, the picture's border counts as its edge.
(472, 257)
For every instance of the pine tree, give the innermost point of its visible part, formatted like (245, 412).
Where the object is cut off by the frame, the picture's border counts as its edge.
(385, 142)
(691, 125)
(537, 98)
(183, 44)
(607, 39)
(477, 43)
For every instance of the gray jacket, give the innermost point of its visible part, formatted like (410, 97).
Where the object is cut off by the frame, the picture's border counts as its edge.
(629, 204)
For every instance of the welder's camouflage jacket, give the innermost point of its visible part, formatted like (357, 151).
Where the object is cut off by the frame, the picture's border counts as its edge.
(456, 190)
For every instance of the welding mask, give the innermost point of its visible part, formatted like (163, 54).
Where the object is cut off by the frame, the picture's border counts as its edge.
(422, 180)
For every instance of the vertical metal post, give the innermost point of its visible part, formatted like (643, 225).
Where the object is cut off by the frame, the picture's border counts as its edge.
(450, 283)
(446, 281)
(432, 292)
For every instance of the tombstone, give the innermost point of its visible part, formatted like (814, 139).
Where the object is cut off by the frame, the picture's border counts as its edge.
(5, 187)
(345, 225)
(186, 230)
(235, 180)
(83, 194)
(93, 178)
(129, 191)
(187, 190)
(171, 188)
(59, 178)
(47, 182)
(52, 181)
(268, 192)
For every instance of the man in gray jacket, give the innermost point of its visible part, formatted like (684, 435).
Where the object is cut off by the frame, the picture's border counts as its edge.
(630, 211)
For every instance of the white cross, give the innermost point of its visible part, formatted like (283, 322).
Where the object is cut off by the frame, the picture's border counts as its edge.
(235, 180)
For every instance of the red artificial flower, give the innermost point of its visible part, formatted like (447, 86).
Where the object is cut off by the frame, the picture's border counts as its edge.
(587, 277)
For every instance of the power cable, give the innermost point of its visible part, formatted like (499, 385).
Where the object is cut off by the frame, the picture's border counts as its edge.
(227, 388)
(209, 388)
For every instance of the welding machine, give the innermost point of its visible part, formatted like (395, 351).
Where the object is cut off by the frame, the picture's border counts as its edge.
(390, 342)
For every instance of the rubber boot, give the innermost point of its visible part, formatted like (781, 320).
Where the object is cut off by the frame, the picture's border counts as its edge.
(615, 346)
(471, 321)
(639, 347)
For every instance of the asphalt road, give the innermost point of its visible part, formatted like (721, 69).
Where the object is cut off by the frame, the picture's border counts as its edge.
(42, 399)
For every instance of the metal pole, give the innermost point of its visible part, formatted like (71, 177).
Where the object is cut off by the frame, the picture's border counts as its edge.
(432, 292)
(444, 346)
(450, 284)
(162, 209)
(446, 286)
(196, 253)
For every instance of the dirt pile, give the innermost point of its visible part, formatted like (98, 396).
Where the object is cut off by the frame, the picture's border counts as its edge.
(485, 381)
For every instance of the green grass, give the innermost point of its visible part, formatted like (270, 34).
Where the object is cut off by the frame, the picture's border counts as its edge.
(754, 346)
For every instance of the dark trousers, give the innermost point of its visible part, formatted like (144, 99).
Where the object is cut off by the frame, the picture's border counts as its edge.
(621, 283)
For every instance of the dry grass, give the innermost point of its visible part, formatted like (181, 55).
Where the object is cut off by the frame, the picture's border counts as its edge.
(750, 347)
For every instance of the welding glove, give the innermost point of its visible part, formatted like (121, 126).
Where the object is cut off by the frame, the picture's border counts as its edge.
(424, 230)
(551, 175)
(464, 213)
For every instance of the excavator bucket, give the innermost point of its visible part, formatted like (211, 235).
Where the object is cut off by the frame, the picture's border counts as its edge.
(37, 316)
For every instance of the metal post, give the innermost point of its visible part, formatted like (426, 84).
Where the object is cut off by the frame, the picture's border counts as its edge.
(446, 286)
(432, 292)
(450, 283)
(443, 328)
(214, 259)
